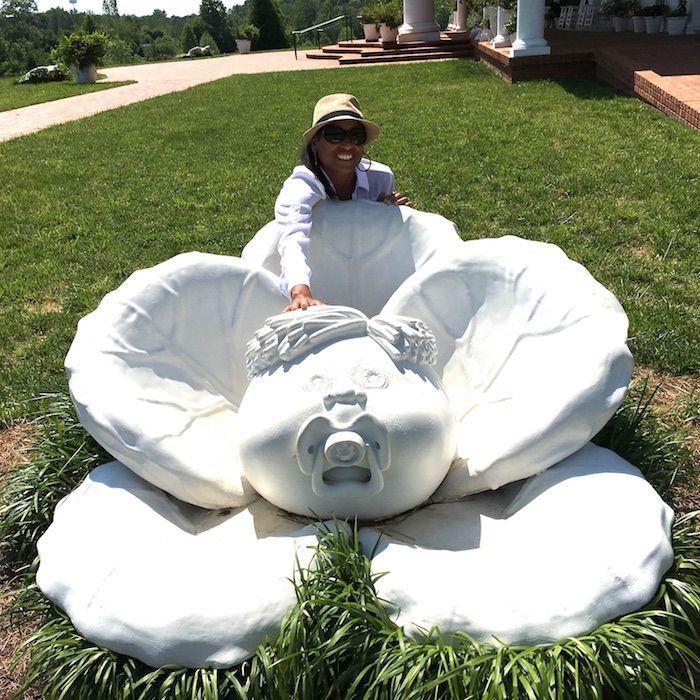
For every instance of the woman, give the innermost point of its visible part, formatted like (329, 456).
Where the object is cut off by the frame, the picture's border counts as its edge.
(333, 167)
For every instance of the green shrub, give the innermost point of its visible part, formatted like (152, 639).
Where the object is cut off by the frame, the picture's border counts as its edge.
(390, 14)
(248, 31)
(208, 40)
(119, 53)
(80, 49)
(188, 38)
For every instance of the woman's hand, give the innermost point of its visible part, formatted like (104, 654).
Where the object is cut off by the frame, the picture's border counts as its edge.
(302, 299)
(395, 198)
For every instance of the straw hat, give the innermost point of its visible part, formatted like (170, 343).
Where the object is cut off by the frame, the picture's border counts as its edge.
(333, 108)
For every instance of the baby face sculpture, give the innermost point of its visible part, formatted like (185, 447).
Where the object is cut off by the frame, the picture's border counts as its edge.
(344, 415)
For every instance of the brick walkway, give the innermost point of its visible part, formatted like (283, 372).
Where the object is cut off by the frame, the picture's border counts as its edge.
(153, 80)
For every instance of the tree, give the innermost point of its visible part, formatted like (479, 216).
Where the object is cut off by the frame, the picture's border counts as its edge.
(109, 7)
(208, 40)
(89, 24)
(265, 15)
(213, 14)
(188, 38)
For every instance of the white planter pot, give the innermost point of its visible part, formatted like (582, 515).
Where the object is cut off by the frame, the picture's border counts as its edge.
(629, 24)
(243, 45)
(639, 25)
(653, 24)
(84, 75)
(619, 24)
(370, 30)
(388, 34)
(675, 26)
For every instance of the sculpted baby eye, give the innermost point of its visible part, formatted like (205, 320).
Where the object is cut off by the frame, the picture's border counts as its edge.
(369, 378)
(318, 382)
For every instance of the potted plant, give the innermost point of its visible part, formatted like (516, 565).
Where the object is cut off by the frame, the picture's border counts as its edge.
(82, 52)
(675, 22)
(369, 22)
(390, 18)
(246, 34)
(653, 18)
(617, 10)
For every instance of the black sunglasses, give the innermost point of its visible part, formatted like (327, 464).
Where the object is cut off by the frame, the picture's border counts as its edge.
(336, 134)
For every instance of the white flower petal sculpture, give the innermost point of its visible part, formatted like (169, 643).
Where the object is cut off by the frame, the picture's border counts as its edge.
(167, 582)
(533, 355)
(557, 556)
(157, 372)
(489, 362)
(361, 252)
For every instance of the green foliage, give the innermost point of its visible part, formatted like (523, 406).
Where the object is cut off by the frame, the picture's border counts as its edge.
(370, 14)
(189, 38)
(213, 14)
(89, 24)
(248, 31)
(265, 15)
(160, 48)
(511, 25)
(390, 14)
(617, 8)
(208, 40)
(119, 53)
(681, 9)
(652, 11)
(81, 49)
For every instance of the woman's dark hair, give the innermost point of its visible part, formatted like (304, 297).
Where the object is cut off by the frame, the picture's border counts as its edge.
(309, 159)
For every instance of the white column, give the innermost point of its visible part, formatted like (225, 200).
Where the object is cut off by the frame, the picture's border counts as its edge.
(693, 25)
(419, 22)
(461, 19)
(501, 39)
(530, 33)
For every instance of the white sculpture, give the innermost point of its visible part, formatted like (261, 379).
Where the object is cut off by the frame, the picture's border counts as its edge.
(450, 368)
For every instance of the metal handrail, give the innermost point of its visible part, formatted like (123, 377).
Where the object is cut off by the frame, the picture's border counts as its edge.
(318, 27)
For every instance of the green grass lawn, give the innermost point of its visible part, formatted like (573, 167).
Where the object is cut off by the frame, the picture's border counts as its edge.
(13, 96)
(607, 178)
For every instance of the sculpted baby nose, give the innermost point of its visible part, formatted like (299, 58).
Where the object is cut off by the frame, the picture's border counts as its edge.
(344, 447)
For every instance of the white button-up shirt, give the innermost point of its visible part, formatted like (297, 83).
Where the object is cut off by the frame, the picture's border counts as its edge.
(300, 191)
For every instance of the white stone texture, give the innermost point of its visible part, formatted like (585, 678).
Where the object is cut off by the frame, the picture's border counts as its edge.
(530, 39)
(532, 353)
(360, 252)
(418, 22)
(165, 582)
(157, 372)
(535, 562)
(354, 424)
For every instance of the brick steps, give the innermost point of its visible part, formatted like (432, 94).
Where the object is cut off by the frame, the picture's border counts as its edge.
(360, 51)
